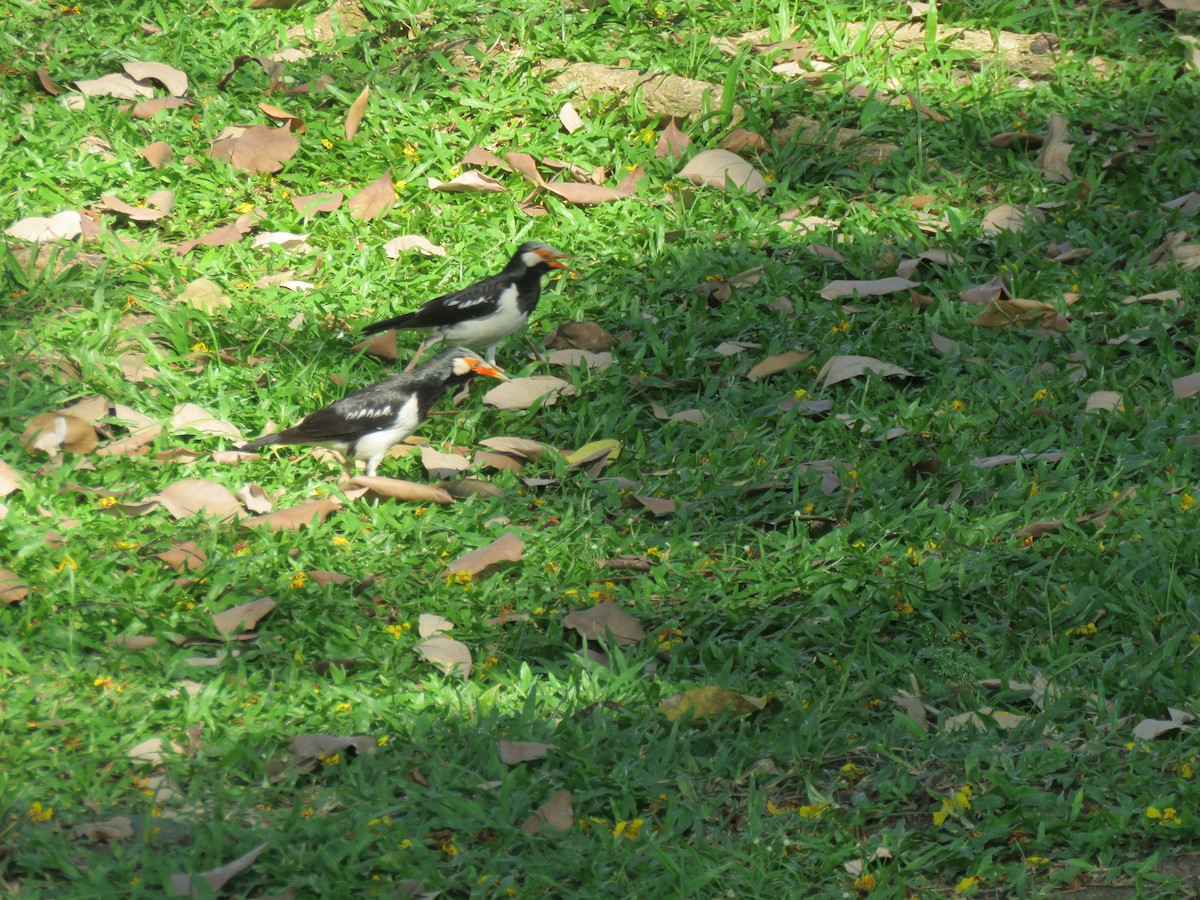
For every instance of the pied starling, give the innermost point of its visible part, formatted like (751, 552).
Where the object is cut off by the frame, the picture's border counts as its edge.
(487, 311)
(366, 424)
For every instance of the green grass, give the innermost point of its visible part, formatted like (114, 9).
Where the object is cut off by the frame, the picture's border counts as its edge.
(907, 582)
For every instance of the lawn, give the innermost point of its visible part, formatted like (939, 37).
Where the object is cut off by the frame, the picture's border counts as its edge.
(858, 560)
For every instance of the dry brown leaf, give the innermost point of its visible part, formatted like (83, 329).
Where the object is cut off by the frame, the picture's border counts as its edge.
(118, 828)
(313, 746)
(152, 751)
(424, 246)
(293, 121)
(190, 885)
(148, 109)
(569, 118)
(740, 139)
(469, 182)
(431, 625)
(591, 194)
(135, 642)
(1007, 217)
(296, 516)
(695, 416)
(12, 481)
(1187, 386)
(286, 240)
(195, 496)
(157, 154)
(1053, 157)
(843, 368)
(257, 149)
(184, 557)
(255, 499)
(230, 233)
(721, 168)
(1107, 401)
(672, 141)
(983, 294)
(481, 156)
(451, 656)
(355, 115)
(979, 720)
(204, 295)
(513, 753)
(379, 487)
(12, 589)
(1003, 459)
(574, 358)
(158, 205)
(656, 506)
(580, 336)
(923, 110)
(382, 346)
(530, 450)
(597, 623)
(169, 77)
(47, 83)
(443, 465)
(65, 225)
(311, 204)
(557, 812)
(506, 548)
(1019, 313)
(706, 702)
(52, 433)
(116, 84)
(872, 288)
(522, 393)
(375, 199)
(1151, 729)
(776, 363)
(190, 417)
(243, 617)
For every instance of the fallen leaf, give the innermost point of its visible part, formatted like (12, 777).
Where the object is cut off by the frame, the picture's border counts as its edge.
(557, 812)
(1107, 401)
(451, 656)
(443, 465)
(1018, 313)
(169, 77)
(606, 448)
(157, 154)
(12, 481)
(1007, 217)
(431, 625)
(923, 110)
(382, 346)
(296, 516)
(513, 753)
(291, 120)
(842, 368)
(522, 393)
(229, 233)
(204, 295)
(190, 417)
(695, 416)
(1187, 386)
(243, 617)
(311, 204)
(1151, 729)
(118, 828)
(215, 879)
(980, 720)
(52, 433)
(596, 623)
(672, 141)
(314, 746)
(257, 149)
(481, 156)
(375, 199)
(656, 506)
(135, 642)
(184, 557)
(12, 589)
(506, 548)
(530, 450)
(705, 702)
(1053, 157)
(284, 239)
(47, 83)
(195, 496)
(776, 363)
(148, 109)
(580, 336)
(470, 181)
(424, 246)
(116, 84)
(740, 139)
(574, 358)
(873, 288)
(65, 225)
(158, 205)
(569, 118)
(395, 489)
(592, 194)
(152, 751)
(254, 498)
(355, 115)
(720, 168)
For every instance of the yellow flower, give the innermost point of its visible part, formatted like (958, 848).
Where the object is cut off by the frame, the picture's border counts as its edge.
(1081, 630)
(382, 742)
(1186, 502)
(1032, 861)
(958, 406)
(107, 502)
(648, 136)
(39, 813)
(306, 813)
(1168, 815)
(400, 184)
(67, 563)
(244, 207)
(404, 844)
(808, 508)
(395, 630)
(954, 805)
(865, 883)
(966, 884)
(1040, 395)
(299, 580)
(327, 143)
(330, 759)
(384, 821)
(200, 347)
(448, 848)
(1033, 488)
(463, 578)
(342, 707)
(813, 810)
(914, 557)
(339, 541)
(103, 682)
(628, 830)
(410, 153)
(842, 327)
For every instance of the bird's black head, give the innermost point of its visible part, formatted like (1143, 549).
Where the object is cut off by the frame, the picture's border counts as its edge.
(534, 256)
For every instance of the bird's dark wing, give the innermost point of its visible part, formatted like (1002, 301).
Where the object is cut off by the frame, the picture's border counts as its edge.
(449, 308)
(374, 408)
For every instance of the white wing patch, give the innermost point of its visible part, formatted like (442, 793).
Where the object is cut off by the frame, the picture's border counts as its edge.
(370, 412)
(468, 302)
(488, 329)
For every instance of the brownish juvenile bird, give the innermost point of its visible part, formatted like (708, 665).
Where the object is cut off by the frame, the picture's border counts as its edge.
(369, 422)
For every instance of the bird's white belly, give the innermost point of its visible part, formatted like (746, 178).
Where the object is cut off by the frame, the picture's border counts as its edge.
(374, 445)
(486, 330)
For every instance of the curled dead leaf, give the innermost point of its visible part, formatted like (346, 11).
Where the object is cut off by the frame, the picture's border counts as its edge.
(506, 548)
(706, 702)
(557, 813)
(843, 368)
(53, 433)
(451, 656)
(243, 617)
(596, 623)
(721, 168)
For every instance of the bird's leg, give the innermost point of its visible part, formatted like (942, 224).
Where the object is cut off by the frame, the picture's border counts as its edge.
(416, 356)
(532, 347)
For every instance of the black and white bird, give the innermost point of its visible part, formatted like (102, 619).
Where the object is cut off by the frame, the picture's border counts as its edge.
(486, 312)
(366, 424)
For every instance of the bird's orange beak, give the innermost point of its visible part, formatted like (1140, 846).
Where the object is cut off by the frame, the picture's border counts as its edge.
(479, 367)
(552, 258)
